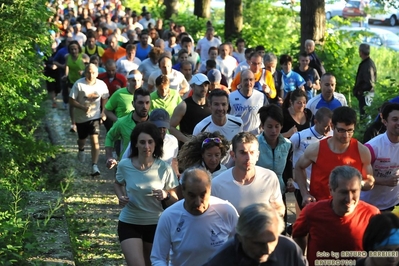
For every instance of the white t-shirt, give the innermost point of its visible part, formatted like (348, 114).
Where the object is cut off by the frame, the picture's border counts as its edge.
(241, 66)
(124, 66)
(265, 188)
(204, 44)
(146, 68)
(300, 141)
(191, 239)
(88, 95)
(227, 67)
(247, 109)
(176, 79)
(232, 127)
(145, 22)
(385, 162)
(170, 149)
(239, 56)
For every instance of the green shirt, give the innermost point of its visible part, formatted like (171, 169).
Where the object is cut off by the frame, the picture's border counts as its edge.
(121, 102)
(122, 130)
(169, 103)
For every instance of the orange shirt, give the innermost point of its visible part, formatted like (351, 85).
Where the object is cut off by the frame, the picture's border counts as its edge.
(268, 79)
(110, 54)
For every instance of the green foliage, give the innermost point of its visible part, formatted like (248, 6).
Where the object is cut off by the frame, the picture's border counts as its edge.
(24, 30)
(341, 57)
(276, 28)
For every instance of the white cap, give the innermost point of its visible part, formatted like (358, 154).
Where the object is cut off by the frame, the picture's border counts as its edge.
(199, 79)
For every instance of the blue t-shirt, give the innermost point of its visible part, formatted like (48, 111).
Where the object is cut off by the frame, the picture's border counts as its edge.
(142, 53)
(291, 81)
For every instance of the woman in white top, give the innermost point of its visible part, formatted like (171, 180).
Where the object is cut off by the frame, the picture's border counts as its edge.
(206, 150)
(144, 188)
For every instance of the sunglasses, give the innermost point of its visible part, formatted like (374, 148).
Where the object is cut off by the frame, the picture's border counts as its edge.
(209, 140)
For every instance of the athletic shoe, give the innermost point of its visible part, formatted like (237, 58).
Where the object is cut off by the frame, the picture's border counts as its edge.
(81, 156)
(73, 128)
(95, 171)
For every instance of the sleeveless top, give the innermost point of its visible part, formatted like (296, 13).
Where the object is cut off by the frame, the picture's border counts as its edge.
(326, 162)
(74, 68)
(194, 114)
(94, 53)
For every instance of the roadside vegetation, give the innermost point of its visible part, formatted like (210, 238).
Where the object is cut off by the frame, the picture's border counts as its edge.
(30, 163)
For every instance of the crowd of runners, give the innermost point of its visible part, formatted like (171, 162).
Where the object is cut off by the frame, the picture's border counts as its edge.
(208, 137)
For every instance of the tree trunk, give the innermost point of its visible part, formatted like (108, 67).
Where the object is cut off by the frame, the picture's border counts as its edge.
(313, 21)
(171, 8)
(232, 19)
(202, 8)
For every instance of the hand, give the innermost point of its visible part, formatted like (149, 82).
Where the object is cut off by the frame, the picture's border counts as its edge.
(266, 88)
(307, 199)
(293, 130)
(159, 194)
(54, 67)
(392, 181)
(279, 100)
(290, 185)
(111, 162)
(123, 200)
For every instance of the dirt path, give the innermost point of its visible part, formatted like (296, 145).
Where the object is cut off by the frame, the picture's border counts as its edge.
(91, 205)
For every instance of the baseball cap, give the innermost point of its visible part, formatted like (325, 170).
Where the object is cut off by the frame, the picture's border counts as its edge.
(214, 75)
(199, 79)
(160, 118)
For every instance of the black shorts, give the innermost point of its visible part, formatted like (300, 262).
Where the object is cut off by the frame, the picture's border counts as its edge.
(144, 232)
(88, 128)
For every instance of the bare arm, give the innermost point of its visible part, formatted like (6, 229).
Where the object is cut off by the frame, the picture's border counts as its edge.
(110, 115)
(309, 156)
(120, 192)
(77, 105)
(177, 116)
(175, 167)
(367, 170)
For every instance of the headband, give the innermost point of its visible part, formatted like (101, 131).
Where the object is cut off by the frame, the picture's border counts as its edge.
(133, 76)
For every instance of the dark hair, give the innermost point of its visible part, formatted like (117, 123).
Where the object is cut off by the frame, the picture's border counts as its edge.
(211, 63)
(239, 40)
(213, 48)
(180, 36)
(285, 58)
(249, 51)
(141, 92)
(323, 113)
(344, 114)
(388, 109)
(304, 54)
(150, 129)
(260, 48)
(72, 43)
(378, 229)
(191, 152)
(182, 51)
(292, 96)
(186, 39)
(217, 93)
(255, 55)
(273, 111)
(144, 32)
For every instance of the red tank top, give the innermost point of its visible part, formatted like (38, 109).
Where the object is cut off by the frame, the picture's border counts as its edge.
(326, 162)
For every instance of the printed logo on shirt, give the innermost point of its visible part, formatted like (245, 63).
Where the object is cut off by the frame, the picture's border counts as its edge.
(215, 238)
(180, 225)
(242, 108)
